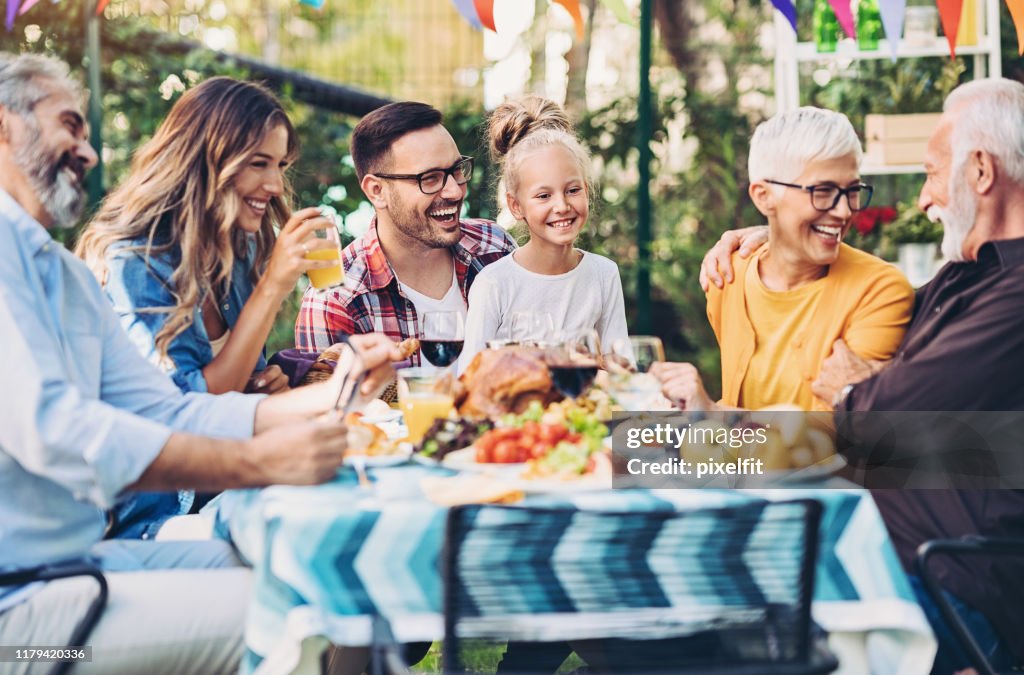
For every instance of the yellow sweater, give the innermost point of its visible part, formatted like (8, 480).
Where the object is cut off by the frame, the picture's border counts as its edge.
(773, 343)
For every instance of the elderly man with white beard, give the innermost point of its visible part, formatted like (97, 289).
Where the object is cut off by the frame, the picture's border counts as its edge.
(963, 351)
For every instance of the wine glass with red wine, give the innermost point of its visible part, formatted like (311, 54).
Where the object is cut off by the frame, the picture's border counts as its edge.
(573, 362)
(443, 336)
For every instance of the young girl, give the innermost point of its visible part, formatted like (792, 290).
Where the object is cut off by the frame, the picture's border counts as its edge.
(186, 251)
(545, 172)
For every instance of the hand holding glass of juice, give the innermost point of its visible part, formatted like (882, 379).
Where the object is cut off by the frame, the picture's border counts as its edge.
(422, 398)
(323, 278)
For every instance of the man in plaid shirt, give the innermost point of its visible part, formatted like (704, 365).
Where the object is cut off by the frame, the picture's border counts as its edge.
(417, 255)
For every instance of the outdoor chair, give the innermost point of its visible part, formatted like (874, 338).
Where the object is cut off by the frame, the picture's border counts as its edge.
(967, 545)
(66, 570)
(723, 590)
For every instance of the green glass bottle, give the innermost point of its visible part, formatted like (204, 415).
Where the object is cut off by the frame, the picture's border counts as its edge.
(869, 25)
(827, 30)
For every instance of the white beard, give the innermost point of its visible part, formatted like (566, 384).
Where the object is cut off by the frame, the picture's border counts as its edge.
(957, 218)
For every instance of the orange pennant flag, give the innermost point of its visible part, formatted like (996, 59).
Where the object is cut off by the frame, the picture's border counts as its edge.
(949, 12)
(485, 11)
(574, 10)
(1017, 13)
(100, 6)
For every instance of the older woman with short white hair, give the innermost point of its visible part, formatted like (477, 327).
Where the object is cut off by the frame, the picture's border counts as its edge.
(804, 289)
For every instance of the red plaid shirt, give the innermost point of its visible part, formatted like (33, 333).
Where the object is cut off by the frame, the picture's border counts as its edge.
(371, 300)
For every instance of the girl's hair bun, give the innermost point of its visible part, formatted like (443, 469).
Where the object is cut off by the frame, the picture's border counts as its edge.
(513, 121)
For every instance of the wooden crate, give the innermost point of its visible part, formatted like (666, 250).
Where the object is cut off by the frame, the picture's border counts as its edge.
(898, 139)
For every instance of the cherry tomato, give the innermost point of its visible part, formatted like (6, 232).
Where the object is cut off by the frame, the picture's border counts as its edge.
(505, 433)
(551, 433)
(539, 450)
(486, 442)
(483, 455)
(505, 452)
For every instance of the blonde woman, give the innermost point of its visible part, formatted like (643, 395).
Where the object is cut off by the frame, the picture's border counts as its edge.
(185, 250)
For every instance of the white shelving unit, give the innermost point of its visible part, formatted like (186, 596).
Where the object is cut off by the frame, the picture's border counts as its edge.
(789, 54)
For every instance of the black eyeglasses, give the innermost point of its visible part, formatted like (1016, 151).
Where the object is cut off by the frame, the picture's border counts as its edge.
(433, 181)
(826, 197)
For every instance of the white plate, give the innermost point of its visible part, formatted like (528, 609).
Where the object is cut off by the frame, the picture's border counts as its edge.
(465, 460)
(393, 459)
(391, 415)
(395, 431)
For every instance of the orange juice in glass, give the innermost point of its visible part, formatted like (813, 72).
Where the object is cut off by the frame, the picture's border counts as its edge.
(327, 277)
(420, 401)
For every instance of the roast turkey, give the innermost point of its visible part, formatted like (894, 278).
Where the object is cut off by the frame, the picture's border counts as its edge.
(500, 381)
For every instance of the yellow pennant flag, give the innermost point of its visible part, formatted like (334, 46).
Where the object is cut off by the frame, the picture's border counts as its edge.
(967, 35)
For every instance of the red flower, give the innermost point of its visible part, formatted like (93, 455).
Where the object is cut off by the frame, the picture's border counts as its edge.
(886, 214)
(865, 221)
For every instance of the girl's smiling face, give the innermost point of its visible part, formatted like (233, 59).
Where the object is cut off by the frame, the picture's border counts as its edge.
(551, 196)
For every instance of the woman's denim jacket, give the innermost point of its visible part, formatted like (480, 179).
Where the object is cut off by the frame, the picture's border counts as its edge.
(134, 285)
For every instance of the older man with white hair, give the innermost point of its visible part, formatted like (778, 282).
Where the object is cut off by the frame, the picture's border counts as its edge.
(963, 351)
(84, 417)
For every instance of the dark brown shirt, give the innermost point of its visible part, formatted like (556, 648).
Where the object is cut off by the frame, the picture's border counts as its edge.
(963, 351)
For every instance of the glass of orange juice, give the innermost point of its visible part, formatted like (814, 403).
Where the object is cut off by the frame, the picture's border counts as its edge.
(327, 277)
(422, 398)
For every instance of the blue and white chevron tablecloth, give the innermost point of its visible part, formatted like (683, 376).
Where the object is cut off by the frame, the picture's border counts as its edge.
(327, 558)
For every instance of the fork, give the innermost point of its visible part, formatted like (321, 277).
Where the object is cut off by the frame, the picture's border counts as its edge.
(349, 386)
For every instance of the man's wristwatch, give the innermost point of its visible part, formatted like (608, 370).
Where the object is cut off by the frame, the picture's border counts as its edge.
(841, 395)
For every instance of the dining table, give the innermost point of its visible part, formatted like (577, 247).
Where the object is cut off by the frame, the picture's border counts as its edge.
(331, 561)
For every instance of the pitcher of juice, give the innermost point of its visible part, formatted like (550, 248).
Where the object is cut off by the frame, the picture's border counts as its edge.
(422, 398)
(327, 277)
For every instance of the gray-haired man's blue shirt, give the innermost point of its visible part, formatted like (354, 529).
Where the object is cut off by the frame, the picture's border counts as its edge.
(82, 414)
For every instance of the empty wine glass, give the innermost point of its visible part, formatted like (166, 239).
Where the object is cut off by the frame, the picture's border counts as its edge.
(629, 364)
(647, 350)
(530, 327)
(443, 336)
(573, 361)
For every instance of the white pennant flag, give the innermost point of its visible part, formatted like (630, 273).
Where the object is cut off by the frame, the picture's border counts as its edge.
(892, 12)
